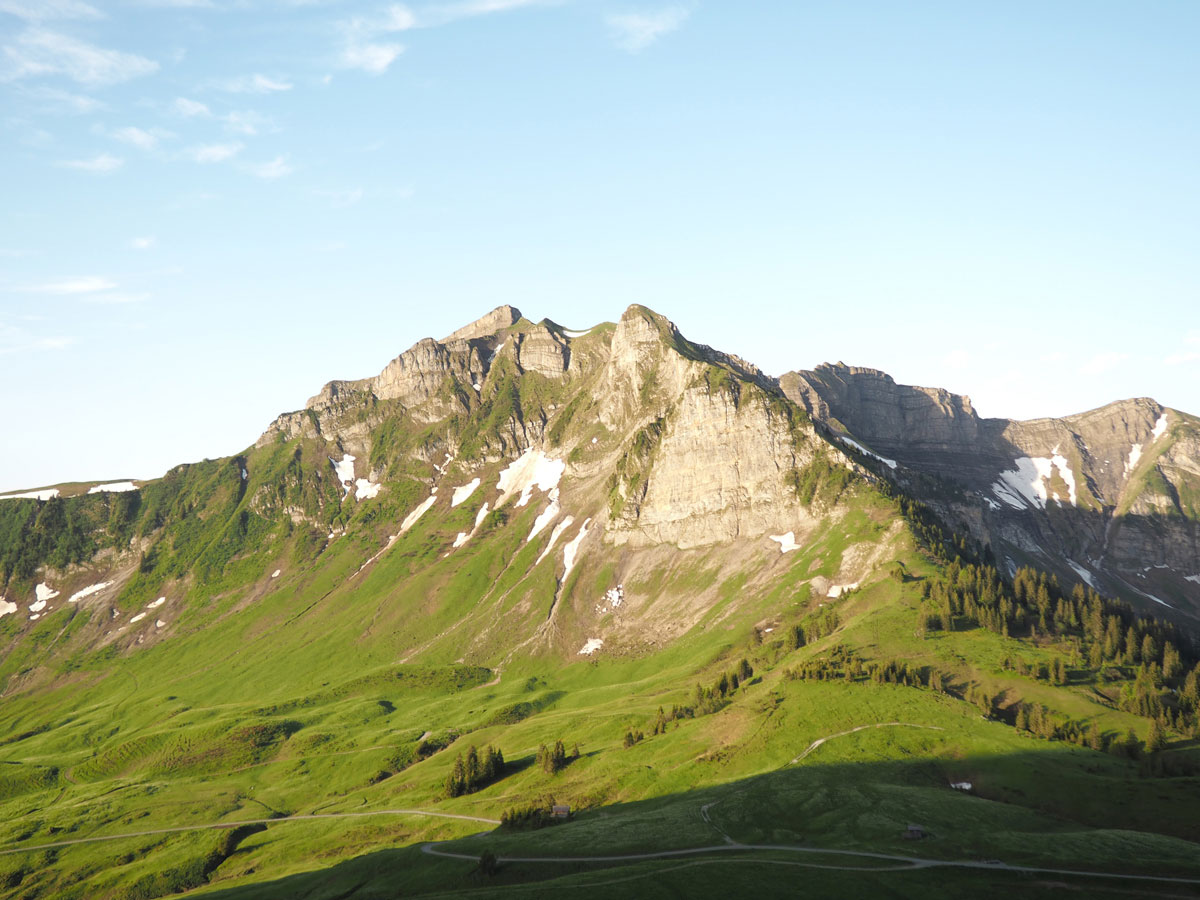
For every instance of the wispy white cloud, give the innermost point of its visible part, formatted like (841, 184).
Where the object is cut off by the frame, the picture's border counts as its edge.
(140, 137)
(189, 108)
(215, 153)
(142, 243)
(56, 100)
(276, 168)
(1102, 362)
(341, 199)
(1179, 359)
(115, 297)
(445, 13)
(103, 164)
(636, 31)
(177, 4)
(365, 41)
(84, 284)
(15, 339)
(254, 84)
(362, 44)
(370, 57)
(37, 52)
(42, 10)
(249, 122)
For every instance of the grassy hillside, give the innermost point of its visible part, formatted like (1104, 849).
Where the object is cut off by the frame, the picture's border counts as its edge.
(320, 669)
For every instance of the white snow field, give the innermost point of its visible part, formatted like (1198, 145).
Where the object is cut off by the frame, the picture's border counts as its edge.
(462, 493)
(117, 487)
(44, 494)
(890, 463)
(88, 591)
(571, 549)
(532, 469)
(786, 541)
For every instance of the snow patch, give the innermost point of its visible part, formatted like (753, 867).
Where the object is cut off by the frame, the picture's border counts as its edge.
(464, 536)
(476, 385)
(554, 536)
(786, 541)
(159, 623)
(35, 617)
(365, 489)
(6, 608)
(345, 472)
(837, 590)
(1083, 573)
(45, 592)
(1195, 579)
(1157, 600)
(961, 785)
(462, 493)
(592, 645)
(1159, 427)
(411, 519)
(613, 598)
(890, 463)
(137, 618)
(571, 549)
(88, 591)
(1026, 485)
(277, 573)
(156, 603)
(576, 334)
(45, 494)
(549, 514)
(117, 487)
(531, 469)
(1135, 453)
(245, 474)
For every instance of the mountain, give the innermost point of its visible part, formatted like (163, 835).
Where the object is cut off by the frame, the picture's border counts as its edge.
(1110, 497)
(790, 617)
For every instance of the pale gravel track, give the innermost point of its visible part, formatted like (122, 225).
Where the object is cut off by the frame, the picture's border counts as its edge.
(819, 741)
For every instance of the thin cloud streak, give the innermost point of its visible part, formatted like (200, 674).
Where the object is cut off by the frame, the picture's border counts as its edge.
(255, 84)
(37, 52)
(85, 284)
(104, 164)
(634, 32)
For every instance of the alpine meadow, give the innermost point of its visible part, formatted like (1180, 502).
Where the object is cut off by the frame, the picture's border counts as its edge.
(605, 613)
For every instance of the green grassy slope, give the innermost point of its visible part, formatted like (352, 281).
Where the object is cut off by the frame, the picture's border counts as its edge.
(346, 687)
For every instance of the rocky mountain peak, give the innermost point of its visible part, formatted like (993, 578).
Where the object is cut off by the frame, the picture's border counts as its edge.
(499, 318)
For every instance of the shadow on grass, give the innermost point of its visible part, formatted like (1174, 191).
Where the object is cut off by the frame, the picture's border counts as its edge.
(1069, 809)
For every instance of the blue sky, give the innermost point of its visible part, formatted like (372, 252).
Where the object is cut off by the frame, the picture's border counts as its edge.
(211, 207)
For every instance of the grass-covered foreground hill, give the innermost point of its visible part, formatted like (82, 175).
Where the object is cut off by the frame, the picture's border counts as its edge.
(612, 570)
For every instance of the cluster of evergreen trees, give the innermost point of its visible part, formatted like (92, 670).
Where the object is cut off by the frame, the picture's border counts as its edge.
(712, 698)
(553, 760)
(813, 629)
(532, 815)
(1101, 632)
(1054, 671)
(476, 772)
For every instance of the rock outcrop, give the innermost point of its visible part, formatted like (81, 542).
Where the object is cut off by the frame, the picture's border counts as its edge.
(1111, 495)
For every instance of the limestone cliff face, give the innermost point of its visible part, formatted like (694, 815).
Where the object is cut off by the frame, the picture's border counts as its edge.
(707, 456)
(892, 418)
(1116, 490)
(719, 472)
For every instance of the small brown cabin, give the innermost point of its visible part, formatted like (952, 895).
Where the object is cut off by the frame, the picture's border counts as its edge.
(914, 833)
(560, 811)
